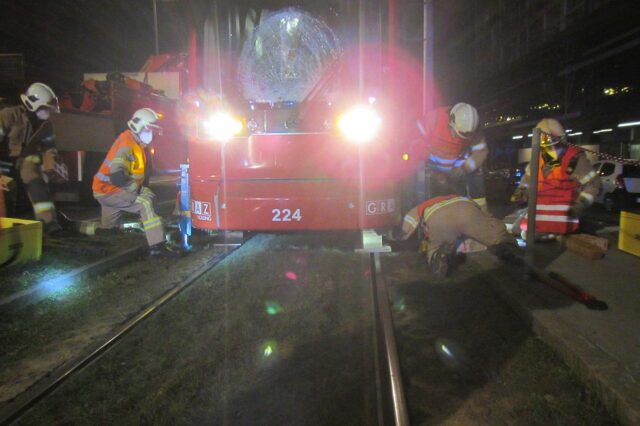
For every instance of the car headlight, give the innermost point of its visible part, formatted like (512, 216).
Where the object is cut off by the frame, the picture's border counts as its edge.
(360, 124)
(221, 126)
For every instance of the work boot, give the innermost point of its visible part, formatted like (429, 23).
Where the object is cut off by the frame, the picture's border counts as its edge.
(65, 222)
(441, 262)
(506, 252)
(163, 250)
(52, 229)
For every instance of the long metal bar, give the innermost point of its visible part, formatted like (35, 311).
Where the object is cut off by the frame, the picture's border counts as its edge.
(400, 412)
(534, 166)
(155, 25)
(24, 402)
(422, 192)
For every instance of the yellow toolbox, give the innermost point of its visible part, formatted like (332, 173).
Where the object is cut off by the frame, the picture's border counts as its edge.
(629, 238)
(20, 240)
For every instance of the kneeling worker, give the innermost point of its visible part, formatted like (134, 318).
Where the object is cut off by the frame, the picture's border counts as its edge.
(446, 221)
(119, 184)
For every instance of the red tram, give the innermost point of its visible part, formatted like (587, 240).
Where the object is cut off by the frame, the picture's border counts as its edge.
(329, 161)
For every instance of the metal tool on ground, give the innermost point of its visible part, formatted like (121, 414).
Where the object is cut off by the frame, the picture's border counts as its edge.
(558, 283)
(566, 287)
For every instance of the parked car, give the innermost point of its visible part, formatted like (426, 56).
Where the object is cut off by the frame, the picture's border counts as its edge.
(620, 185)
(519, 172)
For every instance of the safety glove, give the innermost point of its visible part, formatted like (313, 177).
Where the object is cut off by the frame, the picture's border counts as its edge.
(147, 193)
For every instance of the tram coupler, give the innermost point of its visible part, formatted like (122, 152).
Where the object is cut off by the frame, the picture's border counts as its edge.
(184, 204)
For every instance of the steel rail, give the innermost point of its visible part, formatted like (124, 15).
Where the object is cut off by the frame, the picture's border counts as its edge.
(22, 403)
(391, 359)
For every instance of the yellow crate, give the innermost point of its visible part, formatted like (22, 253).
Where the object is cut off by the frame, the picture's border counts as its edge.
(20, 240)
(629, 238)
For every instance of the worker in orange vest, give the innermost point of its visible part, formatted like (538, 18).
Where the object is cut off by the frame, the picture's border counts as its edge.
(29, 149)
(567, 183)
(448, 220)
(455, 151)
(119, 184)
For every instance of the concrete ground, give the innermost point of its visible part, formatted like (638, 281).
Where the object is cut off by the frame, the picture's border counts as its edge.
(603, 346)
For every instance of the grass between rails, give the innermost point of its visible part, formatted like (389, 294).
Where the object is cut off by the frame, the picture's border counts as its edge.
(273, 336)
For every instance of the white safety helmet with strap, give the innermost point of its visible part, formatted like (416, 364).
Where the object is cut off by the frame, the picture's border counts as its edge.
(463, 119)
(40, 95)
(552, 131)
(142, 119)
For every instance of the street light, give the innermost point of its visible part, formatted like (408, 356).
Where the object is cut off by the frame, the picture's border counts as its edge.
(155, 22)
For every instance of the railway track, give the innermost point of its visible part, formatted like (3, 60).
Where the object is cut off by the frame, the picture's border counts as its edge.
(22, 403)
(389, 406)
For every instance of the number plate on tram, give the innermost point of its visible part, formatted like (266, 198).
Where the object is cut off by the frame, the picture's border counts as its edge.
(286, 215)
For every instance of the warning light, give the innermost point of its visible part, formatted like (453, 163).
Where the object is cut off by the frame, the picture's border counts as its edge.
(405, 157)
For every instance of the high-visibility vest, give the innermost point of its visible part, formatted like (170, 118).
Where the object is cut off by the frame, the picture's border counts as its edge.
(131, 157)
(557, 192)
(445, 151)
(430, 206)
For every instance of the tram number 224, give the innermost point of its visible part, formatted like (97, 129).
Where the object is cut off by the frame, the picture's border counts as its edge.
(286, 215)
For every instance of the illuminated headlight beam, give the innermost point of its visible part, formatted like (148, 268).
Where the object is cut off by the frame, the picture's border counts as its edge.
(222, 126)
(360, 124)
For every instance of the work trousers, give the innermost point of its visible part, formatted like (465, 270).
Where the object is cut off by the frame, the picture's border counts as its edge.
(37, 189)
(452, 222)
(114, 204)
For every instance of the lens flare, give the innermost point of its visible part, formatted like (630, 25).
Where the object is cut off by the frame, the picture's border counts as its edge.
(360, 124)
(222, 126)
(291, 275)
(273, 308)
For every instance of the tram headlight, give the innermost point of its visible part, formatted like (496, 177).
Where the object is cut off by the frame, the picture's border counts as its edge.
(359, 124)
(221, 126)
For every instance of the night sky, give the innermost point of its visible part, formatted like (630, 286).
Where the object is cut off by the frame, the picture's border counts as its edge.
(61, 39)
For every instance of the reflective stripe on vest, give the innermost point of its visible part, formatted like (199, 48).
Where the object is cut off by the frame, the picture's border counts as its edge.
(428, 207)
(557, 193)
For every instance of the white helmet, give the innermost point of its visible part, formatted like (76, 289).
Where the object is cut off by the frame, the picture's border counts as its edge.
(40, 95)
(552, 131)
(463, 119)
(142, 119)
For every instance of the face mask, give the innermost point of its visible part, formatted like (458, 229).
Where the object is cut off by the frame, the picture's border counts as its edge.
(146, 136)
(43, 114)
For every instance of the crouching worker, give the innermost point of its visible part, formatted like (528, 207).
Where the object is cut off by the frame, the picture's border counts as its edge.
(448, 220)
(119, 184)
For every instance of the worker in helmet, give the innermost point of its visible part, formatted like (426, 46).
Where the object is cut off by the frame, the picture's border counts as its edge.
(455, 151)
(567, 183)
(446, 221)
(26, 142)
(119, 184)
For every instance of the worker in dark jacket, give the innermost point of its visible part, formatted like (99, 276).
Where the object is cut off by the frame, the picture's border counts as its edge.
(26, 142)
